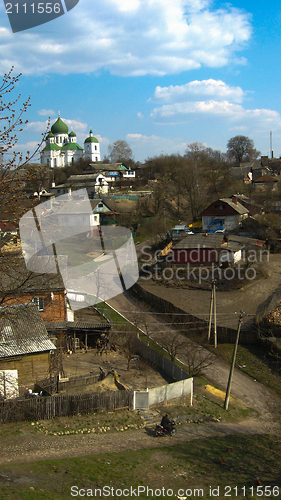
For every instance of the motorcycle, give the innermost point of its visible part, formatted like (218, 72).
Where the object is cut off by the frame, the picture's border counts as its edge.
(160, 431)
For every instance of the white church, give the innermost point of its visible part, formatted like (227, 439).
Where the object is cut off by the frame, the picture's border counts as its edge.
(62, 149)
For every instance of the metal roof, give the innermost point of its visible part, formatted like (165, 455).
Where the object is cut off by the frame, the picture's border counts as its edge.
(22, 331)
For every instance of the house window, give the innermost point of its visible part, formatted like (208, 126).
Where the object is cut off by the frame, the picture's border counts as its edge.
(39, 301)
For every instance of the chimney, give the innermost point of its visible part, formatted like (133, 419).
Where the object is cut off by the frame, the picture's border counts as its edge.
(234, 200)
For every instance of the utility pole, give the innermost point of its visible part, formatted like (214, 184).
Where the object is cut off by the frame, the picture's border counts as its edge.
(215, 317)
(227, 396)
(213, 306)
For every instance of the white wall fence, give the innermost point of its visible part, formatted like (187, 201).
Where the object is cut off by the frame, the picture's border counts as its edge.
(142, 400)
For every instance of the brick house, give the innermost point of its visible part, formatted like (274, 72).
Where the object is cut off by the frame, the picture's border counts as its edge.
(18, 286)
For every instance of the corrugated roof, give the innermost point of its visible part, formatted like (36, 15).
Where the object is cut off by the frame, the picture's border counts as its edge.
(232, 246)
(22, 331)
(76, 325)
(245, 240)
(200, 240)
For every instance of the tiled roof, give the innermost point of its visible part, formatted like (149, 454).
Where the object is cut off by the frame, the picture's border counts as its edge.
(22, 331)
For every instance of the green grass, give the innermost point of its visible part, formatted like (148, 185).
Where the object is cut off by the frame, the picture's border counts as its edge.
(253, 361)
(232, 461)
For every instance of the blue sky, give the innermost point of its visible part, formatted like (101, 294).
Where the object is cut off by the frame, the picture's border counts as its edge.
(156, 73)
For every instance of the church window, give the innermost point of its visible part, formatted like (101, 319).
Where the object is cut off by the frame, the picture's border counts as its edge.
(95, 147)
(96, 158)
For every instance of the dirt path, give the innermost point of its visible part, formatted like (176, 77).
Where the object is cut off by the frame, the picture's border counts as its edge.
(28, 449)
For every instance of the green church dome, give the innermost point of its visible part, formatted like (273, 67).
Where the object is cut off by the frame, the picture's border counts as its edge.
(59, 127)
(72, 134)
(91, 139)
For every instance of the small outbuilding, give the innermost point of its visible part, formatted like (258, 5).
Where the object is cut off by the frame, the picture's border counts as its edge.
(201, 248)
(24, 343)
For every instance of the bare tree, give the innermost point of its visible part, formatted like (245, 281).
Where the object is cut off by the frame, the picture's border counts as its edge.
(120, 152)
(127, 341)
(12, 162)
(241, 148)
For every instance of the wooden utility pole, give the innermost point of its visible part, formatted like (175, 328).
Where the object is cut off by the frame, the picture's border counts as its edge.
(215, 317)
(227, 396)
(213, 306)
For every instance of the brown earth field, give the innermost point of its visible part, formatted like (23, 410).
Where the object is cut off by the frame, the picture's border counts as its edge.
(139, 376)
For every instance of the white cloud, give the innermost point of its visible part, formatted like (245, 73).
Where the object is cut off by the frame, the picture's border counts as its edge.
(37, 126)
(129, 37)
(46, 112)
(76, 125)
(216, 108)
(215, 88)
(140, 115)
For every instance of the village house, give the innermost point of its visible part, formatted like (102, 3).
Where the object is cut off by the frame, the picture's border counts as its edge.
(20, 286)
(95, 184)
(24, 344)
(112, 171)
(223, 214)
(265, 182)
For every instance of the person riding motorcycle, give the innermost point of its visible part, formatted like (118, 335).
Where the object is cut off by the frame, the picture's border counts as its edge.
(166, 422)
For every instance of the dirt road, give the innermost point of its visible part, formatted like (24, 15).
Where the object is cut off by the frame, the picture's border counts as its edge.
(229, 303)
(252, 393)
(30, 448)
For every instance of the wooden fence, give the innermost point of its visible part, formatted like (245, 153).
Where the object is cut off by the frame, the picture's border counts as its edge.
(41, 408)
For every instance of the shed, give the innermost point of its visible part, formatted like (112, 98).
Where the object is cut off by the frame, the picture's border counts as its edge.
(198, 249)
(24, 343)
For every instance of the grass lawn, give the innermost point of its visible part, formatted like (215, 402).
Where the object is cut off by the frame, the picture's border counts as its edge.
(253, 361)
(231, 463)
